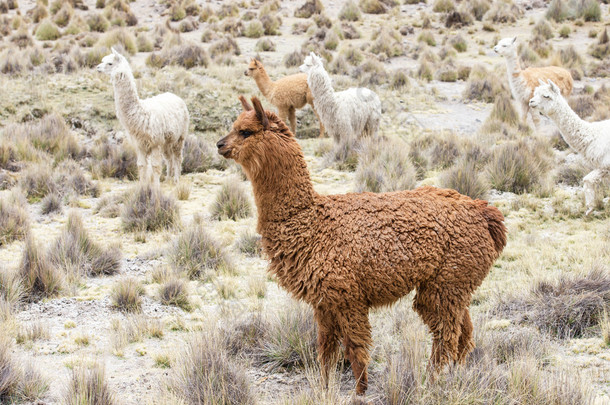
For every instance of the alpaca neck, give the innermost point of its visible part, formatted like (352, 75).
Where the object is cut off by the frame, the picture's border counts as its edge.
(281, 183)
(323, 94)
(575, 131)
(126, 97)
(264, 83)
(513, 67)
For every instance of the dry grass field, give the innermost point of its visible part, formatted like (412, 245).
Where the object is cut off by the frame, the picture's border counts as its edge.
(115, 293)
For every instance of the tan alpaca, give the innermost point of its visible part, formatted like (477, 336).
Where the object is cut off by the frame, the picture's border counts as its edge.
(288, 93)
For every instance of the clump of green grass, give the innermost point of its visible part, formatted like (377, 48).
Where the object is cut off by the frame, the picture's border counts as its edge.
(204, 370)
(602, 48)
(14, 220)
(148, 209)
(350, 12)
(174, 291)
(384, 166)
(388, 44)
(120, 36)
(38, 276)
(589, 10)
(570, 307)
(63, 15)
(126, 295)
(198, 254)
(271, 24)
(232, 202)
(565, 31)
(372, 6)
(77, 254)
(557, 11)
(427, 37)
(47, 31)
(39, 12)
(88, 385)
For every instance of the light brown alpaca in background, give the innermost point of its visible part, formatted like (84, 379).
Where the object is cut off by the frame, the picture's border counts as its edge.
(288, 93)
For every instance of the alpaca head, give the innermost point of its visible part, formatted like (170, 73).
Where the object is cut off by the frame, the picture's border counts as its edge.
(546, 97)
(311, 61)
(255, 67)
(113, 63)
(506, 46)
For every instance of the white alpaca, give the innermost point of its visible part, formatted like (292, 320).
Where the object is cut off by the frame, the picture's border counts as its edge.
(346, 115)
(590, 139)
(158, 125)
(523, 82)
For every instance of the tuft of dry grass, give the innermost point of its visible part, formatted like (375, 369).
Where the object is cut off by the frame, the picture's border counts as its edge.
(198, 156)
(14, 220)
(187, 55)
(350, 12)
(19, 381)
(518, 166)
(483, 85)
(309, 8)
(503, 11)
(11, 288)
(38, 275)
(119, 36)
(52, 203)
(126, 295)
(384, 166)
(47, 31)
(198, 254)
(174, 291)
(88, 386)
(204, 370)
(232, 202)
(148, 209)
(249, 243)
(31, 332)
(465, 177)
(77, 254)
(112, 160)
(183, 190)
(570, 307)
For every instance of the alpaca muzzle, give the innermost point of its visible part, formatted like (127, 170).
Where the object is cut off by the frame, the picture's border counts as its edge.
(223, 149)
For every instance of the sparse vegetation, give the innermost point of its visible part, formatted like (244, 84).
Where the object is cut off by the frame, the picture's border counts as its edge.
(88, 385)
(231, 202)
(14, 221)
(39, 277)
(174, 292)
(126, 295)
(148, 209)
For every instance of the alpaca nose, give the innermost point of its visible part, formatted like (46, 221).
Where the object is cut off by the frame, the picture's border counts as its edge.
(245, 73)
(220, 143)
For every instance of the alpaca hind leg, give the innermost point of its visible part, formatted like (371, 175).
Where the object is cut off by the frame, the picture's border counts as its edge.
(357, 341)
(591, 182)
(283, 114)
(292, 115)
(177, 159)
(466, 342)
(168, 158)
(156, 160)
(328, 343)
(443, 316)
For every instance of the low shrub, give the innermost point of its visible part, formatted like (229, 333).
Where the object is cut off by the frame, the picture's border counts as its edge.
(148, 209)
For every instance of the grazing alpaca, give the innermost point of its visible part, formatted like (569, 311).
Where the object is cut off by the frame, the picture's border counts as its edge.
(288, 93)
(350, 114)
(590, 139)
(158, 125)
(344, 254)
(523, 82)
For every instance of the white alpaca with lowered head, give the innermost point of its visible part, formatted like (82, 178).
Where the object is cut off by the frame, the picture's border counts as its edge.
(158, 125)
(350, 114)
(590, 139)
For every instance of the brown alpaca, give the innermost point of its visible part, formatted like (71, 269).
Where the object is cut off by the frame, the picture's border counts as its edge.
(288, 93)
(344, 254)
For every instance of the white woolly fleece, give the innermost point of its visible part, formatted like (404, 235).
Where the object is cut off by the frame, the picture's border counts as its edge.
(353, 113)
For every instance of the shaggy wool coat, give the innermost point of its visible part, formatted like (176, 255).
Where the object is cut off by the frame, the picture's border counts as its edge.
(344, 254)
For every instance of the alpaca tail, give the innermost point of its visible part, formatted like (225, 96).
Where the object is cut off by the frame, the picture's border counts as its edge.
(495, 225)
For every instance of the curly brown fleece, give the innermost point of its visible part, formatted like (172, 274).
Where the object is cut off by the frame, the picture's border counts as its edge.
(344, 254)
(288, 93)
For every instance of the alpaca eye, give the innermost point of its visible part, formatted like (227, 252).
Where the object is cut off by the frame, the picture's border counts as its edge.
(545, 96)
(245, 133)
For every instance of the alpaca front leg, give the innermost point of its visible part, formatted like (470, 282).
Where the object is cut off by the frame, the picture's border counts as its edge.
(328, 343)
(357, 340)
(283, 114)
(591, 182)
(320, 121)
(177, 160)
(143, 167)
(156, 160)
(465, 342)
(292, 116)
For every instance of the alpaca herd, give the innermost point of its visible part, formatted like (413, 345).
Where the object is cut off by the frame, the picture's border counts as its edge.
(345, 254)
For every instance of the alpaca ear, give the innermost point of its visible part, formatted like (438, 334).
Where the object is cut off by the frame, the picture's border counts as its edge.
(244, 103)
(541, 82)
(260, 112)
(514, 39)
(554, 87)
